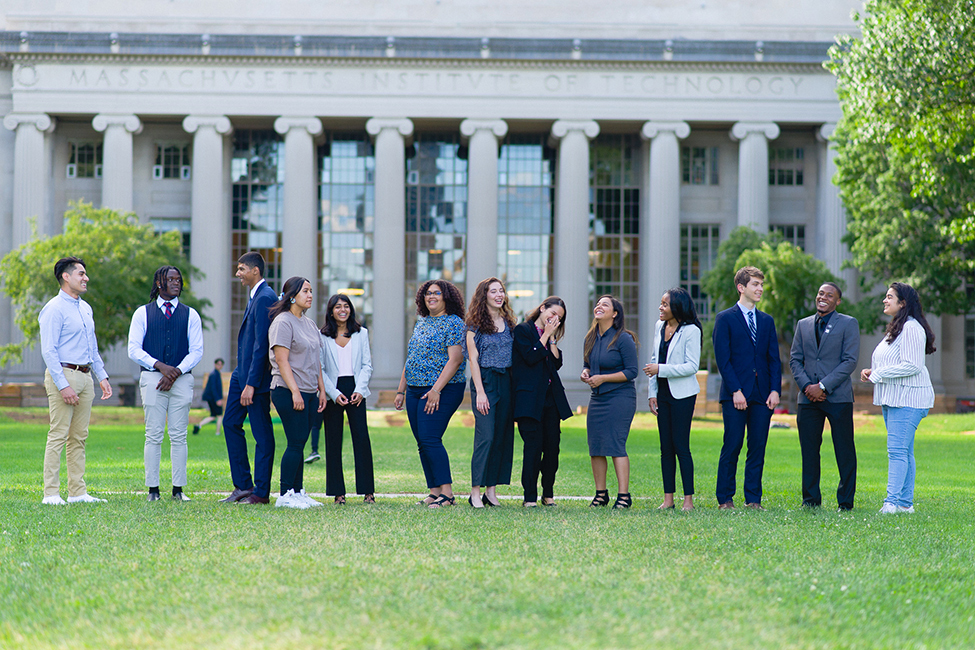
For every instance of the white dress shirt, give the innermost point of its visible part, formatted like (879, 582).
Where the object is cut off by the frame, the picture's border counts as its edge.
(137, 334)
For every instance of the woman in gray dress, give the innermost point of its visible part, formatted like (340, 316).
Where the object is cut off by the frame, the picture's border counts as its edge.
(610, 368)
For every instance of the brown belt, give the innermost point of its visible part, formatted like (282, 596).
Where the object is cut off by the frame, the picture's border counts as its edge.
(74, 366)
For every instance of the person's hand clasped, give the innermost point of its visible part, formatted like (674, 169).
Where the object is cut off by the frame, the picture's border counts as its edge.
(341, 400)
(584, 377)
(356, 399)
(433, 402)
(814, 393)
(651, 369)
(595, 381)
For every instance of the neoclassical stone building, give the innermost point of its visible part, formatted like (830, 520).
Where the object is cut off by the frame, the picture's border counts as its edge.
(565, 147)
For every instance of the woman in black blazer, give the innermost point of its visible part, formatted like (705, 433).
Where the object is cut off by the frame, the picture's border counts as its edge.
(539, 402)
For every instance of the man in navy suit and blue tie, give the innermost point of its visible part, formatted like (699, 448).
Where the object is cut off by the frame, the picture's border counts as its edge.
(746, 349)
(249, 394)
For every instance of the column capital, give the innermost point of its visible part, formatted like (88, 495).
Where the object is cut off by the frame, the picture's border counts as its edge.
(220, 123)
(825, 132)
(469, 127)
(741, 129)
(651, 130)
(377, 124)
(561, 128)
(312, 125)
(130, 123)
(41, 121)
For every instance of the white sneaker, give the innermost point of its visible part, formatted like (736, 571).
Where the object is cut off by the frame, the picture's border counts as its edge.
(85, 498)
(53, 500)
(908, 509)
(307, 499)
(888, 509)
(290, 500)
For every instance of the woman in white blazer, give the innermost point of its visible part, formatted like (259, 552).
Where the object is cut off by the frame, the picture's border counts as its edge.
(347, 366)
(674, 361)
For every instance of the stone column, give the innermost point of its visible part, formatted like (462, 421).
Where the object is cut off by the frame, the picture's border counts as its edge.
(210, 239)
(660, 222)
(831, 216)
(482, 198)
(31, 174)
(117, 158)
(299, 233)
(389, 249)
(753, 140)
(572, 238)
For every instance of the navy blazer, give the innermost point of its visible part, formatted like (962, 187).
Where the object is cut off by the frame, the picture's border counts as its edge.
(253, 364)
(744, 365)
(533, 366)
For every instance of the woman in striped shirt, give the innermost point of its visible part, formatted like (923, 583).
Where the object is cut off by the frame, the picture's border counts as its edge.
(902, 386)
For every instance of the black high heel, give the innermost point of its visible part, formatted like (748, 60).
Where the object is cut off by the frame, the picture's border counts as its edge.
(623, 501)
(601, 499)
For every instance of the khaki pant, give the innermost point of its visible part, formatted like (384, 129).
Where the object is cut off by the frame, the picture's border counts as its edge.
(69, 428)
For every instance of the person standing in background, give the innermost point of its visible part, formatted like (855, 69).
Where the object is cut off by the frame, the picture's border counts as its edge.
(166, 340)
(213, 396)
(746, 351)
(70, 352)
(249, 395)
(825, 349)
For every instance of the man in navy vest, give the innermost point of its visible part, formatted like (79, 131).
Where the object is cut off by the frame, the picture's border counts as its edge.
(166, 340)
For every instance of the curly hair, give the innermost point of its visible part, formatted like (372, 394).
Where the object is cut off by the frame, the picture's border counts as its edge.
(159, 280)
(479, 314)
(452, 297)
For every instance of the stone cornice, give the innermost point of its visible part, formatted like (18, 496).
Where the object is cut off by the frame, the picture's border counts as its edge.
(28, 58)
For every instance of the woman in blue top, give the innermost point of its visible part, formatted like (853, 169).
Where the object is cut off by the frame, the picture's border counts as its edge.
(489, 340)
(610, 368)
(432, 385)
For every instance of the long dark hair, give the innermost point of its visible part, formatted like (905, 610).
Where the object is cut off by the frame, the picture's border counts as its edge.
(331, 326)
(291, 289)
(452, 297)
(912, 308)
(160, 278)
(551, 301)
(682, 308)
(618, 324)
(479, 314)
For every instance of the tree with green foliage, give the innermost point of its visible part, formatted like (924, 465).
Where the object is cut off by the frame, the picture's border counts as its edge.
(121, 256)
(906, 146)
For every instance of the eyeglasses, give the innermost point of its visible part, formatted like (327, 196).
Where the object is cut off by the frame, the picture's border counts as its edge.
(433, 293)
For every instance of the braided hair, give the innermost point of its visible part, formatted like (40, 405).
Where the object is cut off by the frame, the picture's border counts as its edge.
(160, 279)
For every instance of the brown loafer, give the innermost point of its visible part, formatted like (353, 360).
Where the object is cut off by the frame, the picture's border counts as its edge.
(254, 499)
(754, 506)
(237, 495)
(727, 505)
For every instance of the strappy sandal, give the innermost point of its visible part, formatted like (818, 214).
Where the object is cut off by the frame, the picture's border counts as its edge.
(340, 500)
(369, 498)
(424, 502)
(601, 499)
(442, 501)
(623, 501)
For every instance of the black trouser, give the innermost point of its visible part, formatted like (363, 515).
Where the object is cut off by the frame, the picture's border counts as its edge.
(361, 447)
(674, 423)
(810, 421)
(542, 440)
(494, 433)
(296, 425)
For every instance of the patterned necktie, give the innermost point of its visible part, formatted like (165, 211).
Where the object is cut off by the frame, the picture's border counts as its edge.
(169, 309)
(751, 326)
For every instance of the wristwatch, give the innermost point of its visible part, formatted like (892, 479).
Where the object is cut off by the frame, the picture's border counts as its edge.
(821, 387)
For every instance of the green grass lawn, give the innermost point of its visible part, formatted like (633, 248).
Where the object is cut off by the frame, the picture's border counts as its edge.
(132, 574)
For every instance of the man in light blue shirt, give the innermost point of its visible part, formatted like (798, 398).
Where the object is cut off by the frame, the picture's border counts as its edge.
(70, 352)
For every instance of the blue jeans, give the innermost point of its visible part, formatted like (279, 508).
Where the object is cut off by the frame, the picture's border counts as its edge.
(429, 428)
(901, 423)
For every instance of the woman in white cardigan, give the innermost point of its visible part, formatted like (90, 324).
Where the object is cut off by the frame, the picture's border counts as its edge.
(902, 386)
(674, 362)
(347, 366)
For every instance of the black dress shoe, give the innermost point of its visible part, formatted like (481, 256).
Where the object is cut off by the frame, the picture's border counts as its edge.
(237, 495)
(154, 496)
(254, 499)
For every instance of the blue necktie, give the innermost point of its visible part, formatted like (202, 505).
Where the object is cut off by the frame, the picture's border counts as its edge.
(751, 326)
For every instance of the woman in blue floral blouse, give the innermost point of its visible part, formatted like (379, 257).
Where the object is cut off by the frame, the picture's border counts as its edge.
(432, 385)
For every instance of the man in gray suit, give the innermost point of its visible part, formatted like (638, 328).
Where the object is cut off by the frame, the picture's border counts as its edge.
(825, 350)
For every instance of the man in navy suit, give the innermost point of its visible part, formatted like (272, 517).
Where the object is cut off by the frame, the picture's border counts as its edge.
(249, 395)
(746, 349)
(825, 351)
